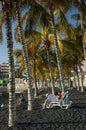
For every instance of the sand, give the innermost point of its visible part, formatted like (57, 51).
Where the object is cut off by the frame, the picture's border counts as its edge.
(48, 119)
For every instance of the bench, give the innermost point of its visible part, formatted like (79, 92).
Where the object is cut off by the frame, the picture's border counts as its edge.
(57, 104)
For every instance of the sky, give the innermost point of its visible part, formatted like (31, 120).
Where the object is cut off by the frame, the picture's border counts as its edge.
(3, 45)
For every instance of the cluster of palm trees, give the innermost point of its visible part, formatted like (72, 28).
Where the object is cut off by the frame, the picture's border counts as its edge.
(51, 47)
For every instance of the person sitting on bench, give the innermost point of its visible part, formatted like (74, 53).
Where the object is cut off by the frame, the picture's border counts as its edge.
(21, 99)
(50, 98)
(66, 97)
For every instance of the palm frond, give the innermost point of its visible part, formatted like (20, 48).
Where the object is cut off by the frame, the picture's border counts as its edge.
(19, 55)
(20, 70)
(84, 38)
(75, 16)
(64, 27)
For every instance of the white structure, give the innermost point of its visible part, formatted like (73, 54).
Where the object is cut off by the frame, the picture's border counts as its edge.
(4, 70)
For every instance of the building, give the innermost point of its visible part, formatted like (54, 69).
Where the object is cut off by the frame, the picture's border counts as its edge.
(4, 70)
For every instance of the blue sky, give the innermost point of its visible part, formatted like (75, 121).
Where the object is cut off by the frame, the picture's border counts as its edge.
(3, 45)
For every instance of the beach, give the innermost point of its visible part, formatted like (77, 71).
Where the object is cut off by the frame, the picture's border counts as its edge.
(73, 118)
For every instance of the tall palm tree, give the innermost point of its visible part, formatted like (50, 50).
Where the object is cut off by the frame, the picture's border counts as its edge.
(74, 52)
(35, 8)
(81, 6)
(33, 43)
(47, 46)
(31, 13)
(33, 46)
(25, 53)
(52, 7)
(12, 108)
(82, 15)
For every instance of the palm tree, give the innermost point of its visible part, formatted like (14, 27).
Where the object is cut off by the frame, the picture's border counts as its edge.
(43, 65)
(73, 52)
(82, 15)
(47, 46)
(81, 6)
(40, 16)
(30, 20)
(52, 7)
(33, 43)
(60, 13)
(26, 58)
(12, 108)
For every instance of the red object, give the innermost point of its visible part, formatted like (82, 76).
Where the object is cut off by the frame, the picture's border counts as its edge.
(59, 95)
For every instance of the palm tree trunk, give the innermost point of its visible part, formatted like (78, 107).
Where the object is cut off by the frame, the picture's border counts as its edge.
(35, 80)
(82, 29)
(26, 59)
(78, 78)
(74, 74)
(69, 79)
(57, 52)
(84, 46)
(81, 77)
(50, 70)
(12, 108)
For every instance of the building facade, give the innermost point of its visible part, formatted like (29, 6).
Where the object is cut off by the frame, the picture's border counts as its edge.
(4, 70)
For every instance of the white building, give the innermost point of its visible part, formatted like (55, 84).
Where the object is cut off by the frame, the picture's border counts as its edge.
(4, 70)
